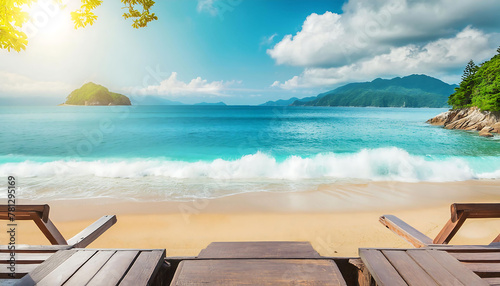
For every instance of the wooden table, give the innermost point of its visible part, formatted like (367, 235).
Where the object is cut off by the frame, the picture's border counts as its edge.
(97, 267)
(434, 265)
(258, 263)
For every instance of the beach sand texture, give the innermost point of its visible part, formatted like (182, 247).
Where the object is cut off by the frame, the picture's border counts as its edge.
(336, 219)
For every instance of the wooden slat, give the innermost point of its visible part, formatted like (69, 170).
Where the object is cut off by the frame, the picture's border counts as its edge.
(409, 270)
(114, 269)
(89, 234)
(144, 269)
(380, 268)
(21, 271)
(450, 229)
(406, 231)
(483, 268)
(493, 281)
(433, 268)
(24, 212)
(35, 248)
(476, 256)
(45, 268)
(258, 272)
(456, 268)
(25, 258)
(62, 273)
(259, 249)
(89, 269)
(478, 210)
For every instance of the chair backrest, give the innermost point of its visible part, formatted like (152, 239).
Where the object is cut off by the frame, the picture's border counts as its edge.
(39, 214)
(461, 212)
(475, 211)
(24, 212)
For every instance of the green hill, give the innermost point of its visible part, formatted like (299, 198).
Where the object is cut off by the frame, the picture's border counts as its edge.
(480, 86)
(94, 94)
(409, 91)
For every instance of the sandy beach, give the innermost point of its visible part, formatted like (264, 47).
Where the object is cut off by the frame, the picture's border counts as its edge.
(336, 219)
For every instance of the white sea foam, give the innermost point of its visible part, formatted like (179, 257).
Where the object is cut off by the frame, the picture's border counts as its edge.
(389, 164)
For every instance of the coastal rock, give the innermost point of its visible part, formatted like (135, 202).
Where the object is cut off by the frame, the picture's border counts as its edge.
(471, 118)
(485, 132)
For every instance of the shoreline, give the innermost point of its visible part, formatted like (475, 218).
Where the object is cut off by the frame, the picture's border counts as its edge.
(337, 221)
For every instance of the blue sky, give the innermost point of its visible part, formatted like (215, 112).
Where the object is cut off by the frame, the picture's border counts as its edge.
(247, 51)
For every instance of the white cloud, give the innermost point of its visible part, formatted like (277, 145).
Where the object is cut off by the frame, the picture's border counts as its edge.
(12, 84)
(436, 58)
(174, 87)
(266, 41)
(367, 28)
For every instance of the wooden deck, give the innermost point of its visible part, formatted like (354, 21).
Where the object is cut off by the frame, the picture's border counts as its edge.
(258, 263)
(98, 267)
(433, 265)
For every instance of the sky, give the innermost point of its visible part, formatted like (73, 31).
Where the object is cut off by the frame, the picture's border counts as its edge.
(246, 51)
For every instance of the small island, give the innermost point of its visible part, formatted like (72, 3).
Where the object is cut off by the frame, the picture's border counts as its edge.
(91, 94)
(476, 102)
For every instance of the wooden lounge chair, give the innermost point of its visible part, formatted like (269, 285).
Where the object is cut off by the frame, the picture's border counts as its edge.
(40, 215)
(459, 213)
(28, 257)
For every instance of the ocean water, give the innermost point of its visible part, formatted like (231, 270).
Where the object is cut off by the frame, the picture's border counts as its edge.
(186, 152)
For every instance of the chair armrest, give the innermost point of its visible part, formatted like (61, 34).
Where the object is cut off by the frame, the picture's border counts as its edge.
(93, 231)
(405, 230)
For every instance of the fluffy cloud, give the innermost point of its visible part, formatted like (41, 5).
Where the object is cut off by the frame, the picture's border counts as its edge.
(372, 27)
(396, 37)
(174, 87)
(12, 84)
(436, 58)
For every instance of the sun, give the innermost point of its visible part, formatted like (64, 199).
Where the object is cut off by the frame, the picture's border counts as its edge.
(49, 19)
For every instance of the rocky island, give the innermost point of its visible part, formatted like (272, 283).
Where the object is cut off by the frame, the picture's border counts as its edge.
(91, 94)
(476, 102)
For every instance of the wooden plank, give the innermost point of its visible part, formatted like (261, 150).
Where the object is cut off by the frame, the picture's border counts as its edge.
(45, 268)
(483, 268)
(380, 268)
(21, 271)
(25, 258)
(477, 210)
(115, 268)
(24, 212)
(493, 281)
(450, 229)
(476, 256)
(258, 272)
(456, 268)
(259, 249)
(89, 234)
(49, 230)
(409, 270)
(144, 269)
(433, 268)
(406, 231)
(24, 248)
(64, 271)
(89, 269)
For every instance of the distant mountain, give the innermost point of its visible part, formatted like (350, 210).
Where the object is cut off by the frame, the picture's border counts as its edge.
(286, 102)
(94, 94)
(153, 100)
(208, 103)
(409, 91)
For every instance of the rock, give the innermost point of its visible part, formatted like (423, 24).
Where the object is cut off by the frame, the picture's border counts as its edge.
(485, 132)
(496, 127)
(471, 118)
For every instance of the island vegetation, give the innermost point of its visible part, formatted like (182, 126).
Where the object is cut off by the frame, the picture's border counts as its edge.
(480, 86)
(409, 91)
(476, 101)
(94, 94)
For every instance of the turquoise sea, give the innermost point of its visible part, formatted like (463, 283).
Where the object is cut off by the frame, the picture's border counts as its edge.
(186, 152)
